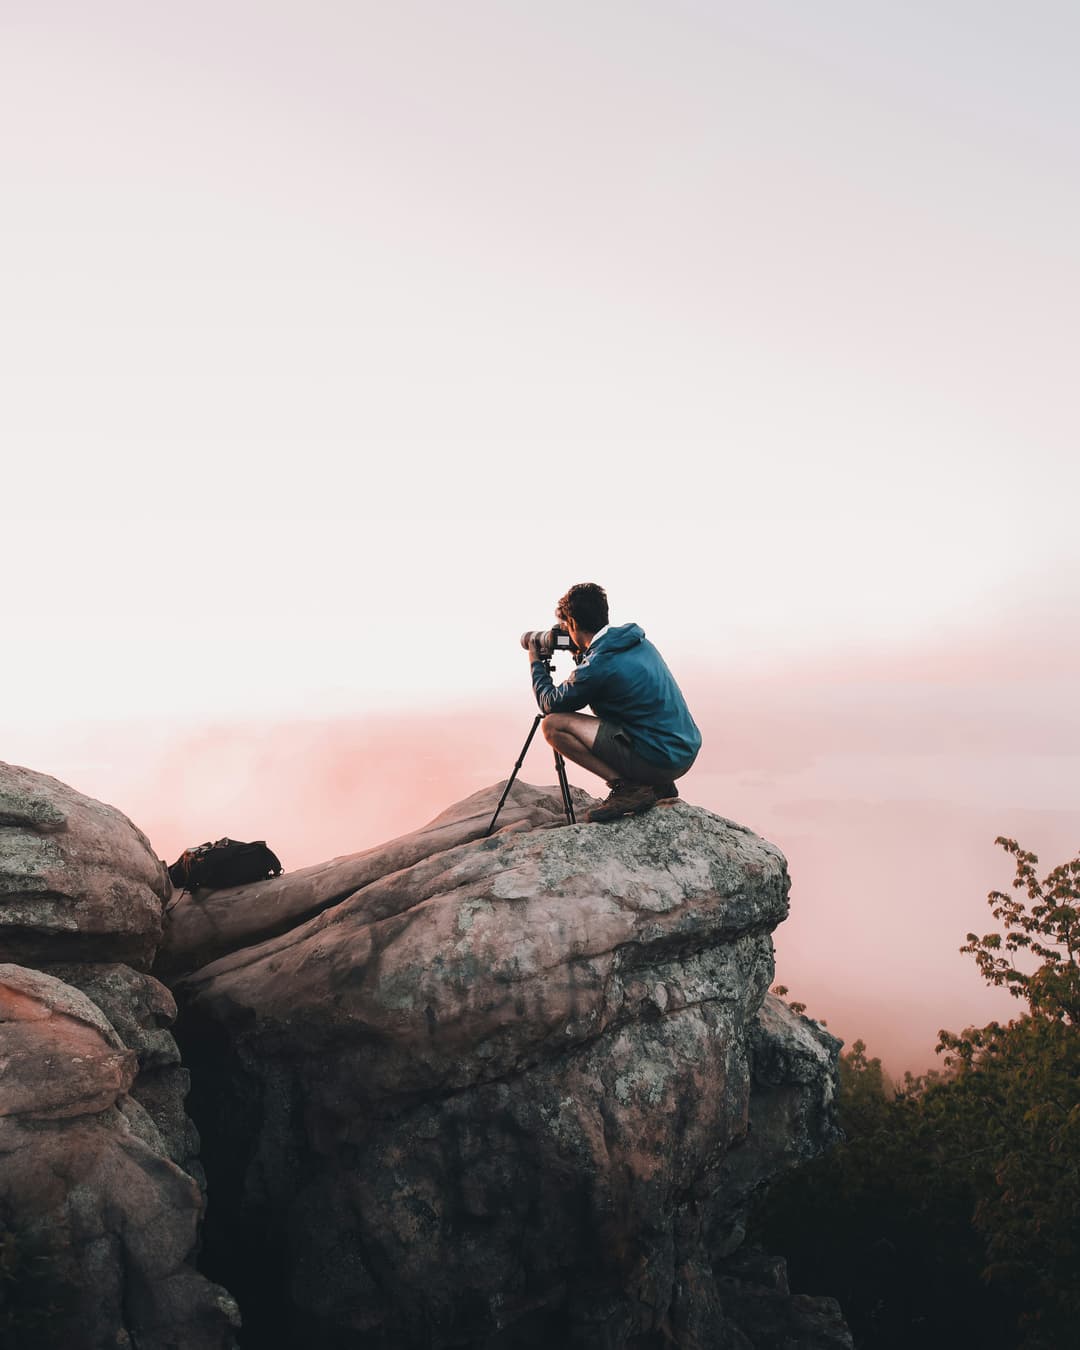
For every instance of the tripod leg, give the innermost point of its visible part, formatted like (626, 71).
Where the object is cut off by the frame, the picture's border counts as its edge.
(567, 800)
(510, 780)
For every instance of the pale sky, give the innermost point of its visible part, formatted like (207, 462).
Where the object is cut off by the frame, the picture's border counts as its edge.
(338, 339)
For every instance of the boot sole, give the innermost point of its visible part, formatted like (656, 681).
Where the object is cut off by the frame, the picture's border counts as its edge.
(603, 817)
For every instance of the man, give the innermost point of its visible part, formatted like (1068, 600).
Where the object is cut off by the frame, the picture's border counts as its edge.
(642, 737)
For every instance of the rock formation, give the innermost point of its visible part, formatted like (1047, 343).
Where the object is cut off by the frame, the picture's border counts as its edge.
(501, 1092)
(142, 1009)
(78, 881)
(217, 922)
(98, 1221)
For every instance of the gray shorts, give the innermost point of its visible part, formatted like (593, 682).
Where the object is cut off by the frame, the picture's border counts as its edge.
(615, 746)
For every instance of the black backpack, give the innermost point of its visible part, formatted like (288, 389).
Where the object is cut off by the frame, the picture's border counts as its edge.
(226, 862)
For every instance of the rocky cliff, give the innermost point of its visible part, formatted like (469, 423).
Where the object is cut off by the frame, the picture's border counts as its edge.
(452, 1091)
(100, 1198)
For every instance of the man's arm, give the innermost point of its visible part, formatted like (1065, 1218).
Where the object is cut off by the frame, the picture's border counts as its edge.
(567, 697)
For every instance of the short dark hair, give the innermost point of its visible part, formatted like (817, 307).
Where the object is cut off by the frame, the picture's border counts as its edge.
(585, 603)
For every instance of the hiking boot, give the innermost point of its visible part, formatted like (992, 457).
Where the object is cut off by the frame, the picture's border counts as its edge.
(625, 799)
(666, 792)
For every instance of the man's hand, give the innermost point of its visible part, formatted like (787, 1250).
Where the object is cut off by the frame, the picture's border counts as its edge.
(535, 654)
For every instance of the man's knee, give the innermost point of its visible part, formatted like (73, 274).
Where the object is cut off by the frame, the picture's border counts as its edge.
(553, 726)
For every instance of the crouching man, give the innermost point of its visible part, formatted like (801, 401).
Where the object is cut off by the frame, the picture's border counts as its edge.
(642, 737)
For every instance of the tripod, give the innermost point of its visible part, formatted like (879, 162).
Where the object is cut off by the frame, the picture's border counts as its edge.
(560, 769)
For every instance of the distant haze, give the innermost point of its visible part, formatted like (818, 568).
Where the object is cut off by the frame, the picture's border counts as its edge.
(338, 339)
(884, 781)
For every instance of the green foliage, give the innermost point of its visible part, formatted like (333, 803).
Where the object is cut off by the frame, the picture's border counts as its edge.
(951, 1215)
(883, 1223)
(1017, 1093)
(1048, 929)
(1015, 1097)
(863, 1090)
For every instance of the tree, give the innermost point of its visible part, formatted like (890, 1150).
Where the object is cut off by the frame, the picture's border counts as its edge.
(951, 1215)
(1016, 1089)
(1049, 930)
(863, 1090)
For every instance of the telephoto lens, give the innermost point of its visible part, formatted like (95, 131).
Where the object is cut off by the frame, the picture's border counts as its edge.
(553, 640)
(544, 641)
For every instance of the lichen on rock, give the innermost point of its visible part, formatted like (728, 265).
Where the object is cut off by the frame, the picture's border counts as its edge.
(78, 881)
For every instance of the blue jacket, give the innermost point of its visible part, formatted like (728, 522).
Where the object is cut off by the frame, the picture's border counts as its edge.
(624, 680)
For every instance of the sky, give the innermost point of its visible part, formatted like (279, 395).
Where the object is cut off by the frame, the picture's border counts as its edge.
(338, 340)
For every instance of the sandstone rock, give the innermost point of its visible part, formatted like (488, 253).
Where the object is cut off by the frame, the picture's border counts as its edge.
(477, 960)
(162, 1094)
(757, 1301)
(485, 1095)
(109, 1224)
(208, 924)
(141, 1010)
(78, 881)
(61, 1058)
(506, 1093)
(793, 1087)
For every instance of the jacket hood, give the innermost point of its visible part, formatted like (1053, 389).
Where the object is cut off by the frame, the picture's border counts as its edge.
(619, 639)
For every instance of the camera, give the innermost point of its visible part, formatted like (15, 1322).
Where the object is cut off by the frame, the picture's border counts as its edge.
(554, 640)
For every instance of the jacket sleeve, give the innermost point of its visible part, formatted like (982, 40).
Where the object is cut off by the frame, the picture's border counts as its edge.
(575, 693)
